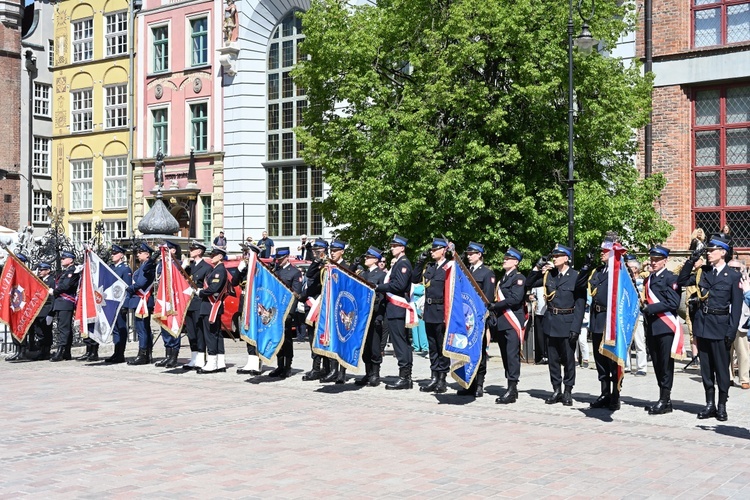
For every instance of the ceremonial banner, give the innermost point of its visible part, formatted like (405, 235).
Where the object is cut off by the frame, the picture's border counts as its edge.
(268, 302)
(346, 304)
(173, 295)
(622, 310)
(101, 294)
(22, 296)
(465, 314)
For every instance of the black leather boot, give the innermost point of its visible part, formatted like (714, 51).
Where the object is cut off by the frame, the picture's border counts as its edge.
(366, 379)
(664, 405)
(510, 396)
(332, 375)
(430, 386)
(604, 398)
(710, 409)
(374, 376)
(87, 355)
(403, 382)
(167, 355)
(94, 356)
(118, 356)
(567, 398)
(341, 378)
(278, 372)
(479, 385)
(555, 397)
(614, 401)
(44, 353)
(172, 360)
(140, 359)
(721, 409)
(316, 373)
(442, 384)
(58, 354)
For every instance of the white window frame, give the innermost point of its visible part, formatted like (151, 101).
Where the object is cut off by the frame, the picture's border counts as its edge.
(115, 230)
(40, 207)
(189, 63)
(81, 184)
(82, 118)
(79, 230)
(153, 150)
(41, 156)
(189, 124)
(116, 42)
(152, 48)
(116, 115)
(42, 100)
(50, 53)
(83, 39)
(115, 179)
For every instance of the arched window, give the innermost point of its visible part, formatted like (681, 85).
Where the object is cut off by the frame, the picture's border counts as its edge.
(291, 185)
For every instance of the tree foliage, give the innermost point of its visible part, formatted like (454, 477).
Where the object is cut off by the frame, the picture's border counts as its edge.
(450, 116)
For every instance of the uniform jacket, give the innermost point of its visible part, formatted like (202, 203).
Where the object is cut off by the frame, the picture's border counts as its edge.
(143, 278)
(724, 293)
(214, 286)
(376, 276)
(563, 292)
(123, 271)
(48, 280)
(433, 276)
(198, 272)
(596, 279)
(485, 278)
(66, 287)
(669, 293)
(399, 284)
(313, 279)
(513, 286)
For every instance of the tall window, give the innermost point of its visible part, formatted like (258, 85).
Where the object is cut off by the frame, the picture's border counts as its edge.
(81, 183)
(291, 193)
(80, 232)
(160, 121)
(206, 202)
(40, 162)
(83, 40)
(42, 200)
(720, 22)
(116, 182)
(199, 41)
(117, 33)
(116, 106)
(50, 53)
(82, 111)
(41, 99)
(721, 168)
(199, 126)
(115, 230)
(160, 37)
(286, 101)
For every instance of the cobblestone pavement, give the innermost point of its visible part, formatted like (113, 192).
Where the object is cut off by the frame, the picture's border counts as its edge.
(77, 430)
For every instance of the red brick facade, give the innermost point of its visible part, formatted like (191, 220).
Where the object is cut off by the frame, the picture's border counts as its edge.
(10, 125)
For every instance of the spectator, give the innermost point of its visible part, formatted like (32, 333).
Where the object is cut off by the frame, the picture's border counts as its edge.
(220, 241)
(740, 346)
(727, 234)
(305, 249)
(266, 246)
(540, 308)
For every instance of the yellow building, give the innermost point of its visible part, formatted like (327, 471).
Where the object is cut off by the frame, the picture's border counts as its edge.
(90, 142)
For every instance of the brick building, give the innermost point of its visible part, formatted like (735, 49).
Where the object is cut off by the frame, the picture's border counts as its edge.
(700, 53)
(11, 14)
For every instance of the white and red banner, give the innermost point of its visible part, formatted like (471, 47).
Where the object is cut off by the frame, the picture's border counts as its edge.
(173, 295)
(101, 294)
(22, 296)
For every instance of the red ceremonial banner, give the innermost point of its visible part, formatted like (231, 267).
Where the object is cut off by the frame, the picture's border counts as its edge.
(22, 296)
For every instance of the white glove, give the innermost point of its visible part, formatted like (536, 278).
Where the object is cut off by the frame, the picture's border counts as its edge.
(51, 291)
(48, 320)
(185, 262)
(241, 267)
(300, 307)
(79, 268)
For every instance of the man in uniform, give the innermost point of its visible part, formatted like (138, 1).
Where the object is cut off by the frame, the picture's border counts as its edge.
(120, 332)
(66, 288)
(252, 367)
(566, 304)
(397, 287)
(371, 353)
(336, 373)
(596, 279)
(198, 269)
(43, 322)
(142, 300)
(663, 293)
(508, 309)
(171, 344)
(292, 278)
(716, 321)
(212, 296)
(319, 248)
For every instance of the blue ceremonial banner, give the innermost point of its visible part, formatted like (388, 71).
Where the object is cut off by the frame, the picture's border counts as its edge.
(267, 304)
(101, 294)
(465, 314)
(622, 310)
(345, 315)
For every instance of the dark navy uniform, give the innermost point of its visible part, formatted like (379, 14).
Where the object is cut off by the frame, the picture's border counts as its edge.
(371, 353)
(120, 332)
(141, 295)
(66, 288)
(312, 291)
(292, 278)
(212, 298)
(42, 325)
(512, 286)
(566, 303)
(715, 323)
(198, 271)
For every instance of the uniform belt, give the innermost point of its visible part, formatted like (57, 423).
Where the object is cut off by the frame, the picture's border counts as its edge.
(599, 308)
(718, 312)
(430, 300)
(555, 310)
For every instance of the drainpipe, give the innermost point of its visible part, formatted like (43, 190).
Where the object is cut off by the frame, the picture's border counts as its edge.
(649, 49)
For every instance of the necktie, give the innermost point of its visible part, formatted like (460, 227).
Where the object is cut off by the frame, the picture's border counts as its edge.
(716, 273)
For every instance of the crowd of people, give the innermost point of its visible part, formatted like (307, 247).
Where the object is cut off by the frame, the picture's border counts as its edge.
(554, 299)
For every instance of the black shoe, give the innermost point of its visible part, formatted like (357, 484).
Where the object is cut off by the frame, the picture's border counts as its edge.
(172, 360)
(167, 354)
(15, 356)
(614, 403)
(140, 359)
(708, 412)
(567, 398)
(277, 373)
(401, 384)
(441, 386)
(602, 401)
(374, 376)
(363, 381)
(118, 356)
(661, 407)
(555, 397)
(312, 375)
(331, 376)
(430, 386)
(58, 355)
(341, 377)
(510, 396)
(94, 356)
(87, 355)
(721, 413)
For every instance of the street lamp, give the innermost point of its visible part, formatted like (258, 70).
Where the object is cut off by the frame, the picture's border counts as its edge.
(585, 43)
(31, 68)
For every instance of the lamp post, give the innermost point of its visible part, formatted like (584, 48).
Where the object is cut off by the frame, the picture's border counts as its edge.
(30, 64)
(585, 43)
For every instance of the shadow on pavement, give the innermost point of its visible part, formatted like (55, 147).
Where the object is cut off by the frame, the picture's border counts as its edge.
(453, 399)
(495, 390)
(537, 394)
(338, 388)
(727, 430)
(598, 413)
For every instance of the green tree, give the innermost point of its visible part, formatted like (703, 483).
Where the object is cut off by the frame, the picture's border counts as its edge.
(450, 116)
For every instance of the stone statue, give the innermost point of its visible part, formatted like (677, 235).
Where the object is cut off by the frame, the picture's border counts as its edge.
(230, 22)
(159, 170)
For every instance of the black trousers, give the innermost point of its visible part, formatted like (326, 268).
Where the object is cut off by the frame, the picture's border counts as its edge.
(435, 336)
(540, 340)
(606, 369)
(195, 335)
(561, 353)
(401, 344)
(371, 352)
(287, 347)
(212, 335)
(714, 358)
(385, 335)
(43, 332)
(510, 350)
(661, 355)
(64, 328)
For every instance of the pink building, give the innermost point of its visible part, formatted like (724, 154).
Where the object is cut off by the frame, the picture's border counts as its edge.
(179, 111)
